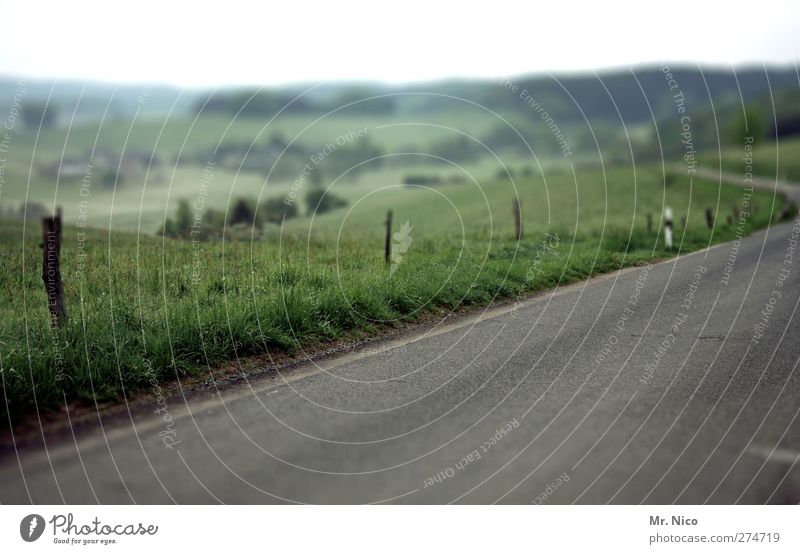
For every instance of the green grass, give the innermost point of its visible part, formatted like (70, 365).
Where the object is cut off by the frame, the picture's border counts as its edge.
(141, 206)
(138, 202)
(772, 160)
(144, 307)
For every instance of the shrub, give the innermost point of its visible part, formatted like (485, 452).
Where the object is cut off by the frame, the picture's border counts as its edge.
(422, 180)
(275, 210)
(181, 226)
(243, 211)
(319, 201)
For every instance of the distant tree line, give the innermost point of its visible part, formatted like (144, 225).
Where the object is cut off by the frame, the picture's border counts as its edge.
(260, 102)
(244, 216)
(39, 113)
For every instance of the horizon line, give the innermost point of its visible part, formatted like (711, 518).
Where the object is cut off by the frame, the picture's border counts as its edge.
(615, 69)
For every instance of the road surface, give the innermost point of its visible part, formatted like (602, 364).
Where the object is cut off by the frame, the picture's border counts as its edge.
(676, 383)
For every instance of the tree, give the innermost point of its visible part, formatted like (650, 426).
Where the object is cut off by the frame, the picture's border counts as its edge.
(748, 123)
(275, 210)
(181, 226)
(168, 229)
(184, 218)
(318, 201)
(34, 113)
(214, 219)
(243, 212)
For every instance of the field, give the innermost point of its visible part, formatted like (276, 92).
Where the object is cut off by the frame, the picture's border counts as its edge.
(139, 198)
(144, 308)
(173, 136)
(773, 160)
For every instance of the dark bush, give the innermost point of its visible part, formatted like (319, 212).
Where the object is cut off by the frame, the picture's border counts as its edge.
(275, 210)
(243, 211)
(422, 180)
(181, 225)
(319, 201)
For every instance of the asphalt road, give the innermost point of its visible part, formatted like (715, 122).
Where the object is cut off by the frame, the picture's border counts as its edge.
(673, 384)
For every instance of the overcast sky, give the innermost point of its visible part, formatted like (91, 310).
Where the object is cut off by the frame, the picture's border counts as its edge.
(235, 42)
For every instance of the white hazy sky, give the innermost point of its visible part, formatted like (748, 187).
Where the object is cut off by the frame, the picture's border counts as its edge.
(251, 42)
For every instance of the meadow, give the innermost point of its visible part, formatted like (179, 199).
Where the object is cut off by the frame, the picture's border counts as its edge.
(144, 308)
(772, 160)
(173, 153)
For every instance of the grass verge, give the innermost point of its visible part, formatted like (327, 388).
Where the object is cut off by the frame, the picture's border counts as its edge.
(146, 310)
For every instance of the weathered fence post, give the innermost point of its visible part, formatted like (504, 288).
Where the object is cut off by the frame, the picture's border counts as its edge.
(517, 219)
(388, 252)
(51, 268)
(668, 227)
(683, 223)
(709, 218)
(649, 223)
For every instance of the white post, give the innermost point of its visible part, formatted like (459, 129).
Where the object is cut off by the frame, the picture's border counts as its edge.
(668, 227)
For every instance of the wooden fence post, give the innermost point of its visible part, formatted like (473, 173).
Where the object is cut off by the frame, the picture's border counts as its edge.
(518, 219)
(709, 218)
(388, 251)
(51, 268)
